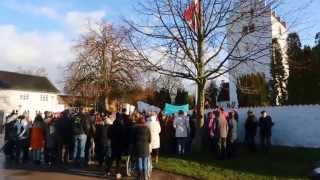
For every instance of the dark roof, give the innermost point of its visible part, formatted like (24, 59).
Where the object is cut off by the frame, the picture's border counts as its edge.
(17, 81)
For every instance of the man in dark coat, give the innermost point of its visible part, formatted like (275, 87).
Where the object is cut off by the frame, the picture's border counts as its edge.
(65, 137)
(91, 130)
(116, 134)
(80, 131)
(251, 126)
(265, 125)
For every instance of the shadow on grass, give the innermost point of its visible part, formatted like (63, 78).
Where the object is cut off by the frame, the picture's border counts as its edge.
(279, 163)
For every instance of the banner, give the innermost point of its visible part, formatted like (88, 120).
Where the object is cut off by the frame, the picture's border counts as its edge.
(142, 106)
(171, 109)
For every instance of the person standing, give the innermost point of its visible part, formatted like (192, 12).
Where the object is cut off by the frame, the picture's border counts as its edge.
(182, 126)
(141, 146)
(100, 138)
(51, 139)
(251, 131)
(23, 131)
(192, 132)
(91, 130)
(116, 135)
(64, 132)
(79, 127)
(223, 134)
(10, 134)
(37, 138)
(155, 130)
(232, 134)
(265, 125)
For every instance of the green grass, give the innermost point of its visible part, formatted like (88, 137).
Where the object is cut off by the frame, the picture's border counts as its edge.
(279, 163)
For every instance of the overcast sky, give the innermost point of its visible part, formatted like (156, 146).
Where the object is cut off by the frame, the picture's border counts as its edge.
(40, 33)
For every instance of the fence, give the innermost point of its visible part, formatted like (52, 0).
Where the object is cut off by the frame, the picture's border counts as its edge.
(296, 126)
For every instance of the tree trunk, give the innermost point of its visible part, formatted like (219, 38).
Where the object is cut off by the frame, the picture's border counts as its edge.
(197, 143)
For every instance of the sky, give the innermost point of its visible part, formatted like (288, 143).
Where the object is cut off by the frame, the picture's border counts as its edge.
(41, 33)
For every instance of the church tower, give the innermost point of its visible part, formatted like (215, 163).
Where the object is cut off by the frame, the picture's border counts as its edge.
(252, 27)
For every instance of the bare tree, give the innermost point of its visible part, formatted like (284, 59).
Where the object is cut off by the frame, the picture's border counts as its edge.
(200, 40)
(103, 62)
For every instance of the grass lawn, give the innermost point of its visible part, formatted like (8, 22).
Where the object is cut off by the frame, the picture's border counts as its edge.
(279, 163)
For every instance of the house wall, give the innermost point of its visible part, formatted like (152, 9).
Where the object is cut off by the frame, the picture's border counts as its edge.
(295, 126)
(35, 101)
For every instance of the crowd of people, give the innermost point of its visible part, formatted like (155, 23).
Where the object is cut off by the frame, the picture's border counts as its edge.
(85, 138)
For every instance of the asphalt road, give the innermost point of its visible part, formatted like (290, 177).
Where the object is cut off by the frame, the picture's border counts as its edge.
(11, 171)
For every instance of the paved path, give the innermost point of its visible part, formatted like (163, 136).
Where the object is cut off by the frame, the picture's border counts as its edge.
(12, 171)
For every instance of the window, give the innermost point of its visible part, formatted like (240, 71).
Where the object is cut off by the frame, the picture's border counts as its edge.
(252, 28)
(24, 97)
(43, 97)
(245, 30)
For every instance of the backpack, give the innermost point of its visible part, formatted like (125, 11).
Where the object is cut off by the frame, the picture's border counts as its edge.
(77, 125)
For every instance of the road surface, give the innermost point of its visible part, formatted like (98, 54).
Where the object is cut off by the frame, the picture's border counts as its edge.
(11, 171)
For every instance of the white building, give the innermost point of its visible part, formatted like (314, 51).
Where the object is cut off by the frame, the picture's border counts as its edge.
(27, 93)
(257, 25)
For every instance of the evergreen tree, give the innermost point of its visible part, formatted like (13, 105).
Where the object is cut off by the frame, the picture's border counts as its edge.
(212, 93)
(304, 65)
(317, 40)
(279, 81)
(316, 70)
(295, 80)
(162, 97)
(181, 97)
(252, 90)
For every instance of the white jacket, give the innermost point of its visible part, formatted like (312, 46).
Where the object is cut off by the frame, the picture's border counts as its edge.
(182, 126)
(155, 130)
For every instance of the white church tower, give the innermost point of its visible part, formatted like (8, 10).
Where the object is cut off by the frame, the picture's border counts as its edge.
(256, 25)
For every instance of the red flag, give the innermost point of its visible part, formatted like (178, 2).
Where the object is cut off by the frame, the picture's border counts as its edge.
(191, 13)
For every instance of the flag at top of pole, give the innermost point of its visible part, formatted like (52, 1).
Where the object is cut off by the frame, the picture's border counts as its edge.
(191, 14)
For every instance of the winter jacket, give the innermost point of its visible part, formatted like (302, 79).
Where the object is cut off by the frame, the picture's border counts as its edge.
(11, 132)
(265, 125)
(23, 129)
(233, 129)
(141, 141)
(223, 127)
(37, 135)
(64, 129)
(212, 127)
(116, 135)
(79, 124)
(51, 132)
(251, 126)
(192, 125)
(155, 130)
(91, 128)
(182, 126)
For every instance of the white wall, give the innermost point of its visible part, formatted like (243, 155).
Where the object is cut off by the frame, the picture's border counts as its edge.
(11, 100)
(297, 126)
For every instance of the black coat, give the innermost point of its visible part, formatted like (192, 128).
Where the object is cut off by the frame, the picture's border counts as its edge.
(64, 130)
(116, 135)
(265, 125)
(141, 141)
(79, 124)
(251, 126)
(101, 135)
